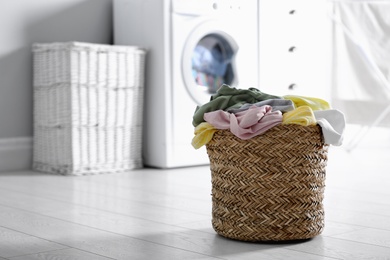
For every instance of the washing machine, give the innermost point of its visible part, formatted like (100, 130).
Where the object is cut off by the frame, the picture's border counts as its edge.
(192, 48)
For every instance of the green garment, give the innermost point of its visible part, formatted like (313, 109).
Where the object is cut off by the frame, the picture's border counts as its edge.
(229, 98)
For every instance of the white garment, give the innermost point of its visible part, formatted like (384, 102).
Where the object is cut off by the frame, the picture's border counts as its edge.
(332, 122)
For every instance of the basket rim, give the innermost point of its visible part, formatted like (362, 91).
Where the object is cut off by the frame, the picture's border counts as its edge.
(86, 46)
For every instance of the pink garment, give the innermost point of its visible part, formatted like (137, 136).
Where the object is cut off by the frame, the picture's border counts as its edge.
(245, 124)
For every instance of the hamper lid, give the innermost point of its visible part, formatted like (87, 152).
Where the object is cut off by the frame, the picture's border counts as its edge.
(41, 47)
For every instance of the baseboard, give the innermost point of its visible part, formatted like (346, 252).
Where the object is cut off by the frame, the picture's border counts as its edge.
(15, 153)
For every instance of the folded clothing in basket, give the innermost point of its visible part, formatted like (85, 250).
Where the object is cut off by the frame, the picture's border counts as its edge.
(283, 105)
(248, 113)
(245, 124)
(313, 103)
(203, 134)
(332, 122)
(300, 116)
(230, 98)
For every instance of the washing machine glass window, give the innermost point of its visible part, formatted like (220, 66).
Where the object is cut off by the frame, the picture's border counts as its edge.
(211, 64)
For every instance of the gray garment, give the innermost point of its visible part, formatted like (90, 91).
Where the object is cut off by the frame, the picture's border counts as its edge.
(283, 105)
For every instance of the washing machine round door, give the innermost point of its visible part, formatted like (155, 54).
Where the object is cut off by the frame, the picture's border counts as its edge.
(208, 62)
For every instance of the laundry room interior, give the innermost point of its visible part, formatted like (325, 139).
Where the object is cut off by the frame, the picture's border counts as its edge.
(183, 129)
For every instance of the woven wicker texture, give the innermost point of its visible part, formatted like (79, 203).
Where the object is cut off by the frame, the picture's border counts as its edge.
(88, 102)
(271, 187)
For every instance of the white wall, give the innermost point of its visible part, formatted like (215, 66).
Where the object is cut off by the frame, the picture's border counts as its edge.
(23, 22)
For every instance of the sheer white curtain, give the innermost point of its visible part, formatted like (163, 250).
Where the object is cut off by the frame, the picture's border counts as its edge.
(361, 62)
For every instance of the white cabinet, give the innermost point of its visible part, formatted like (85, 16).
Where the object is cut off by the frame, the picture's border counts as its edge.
(295, 47)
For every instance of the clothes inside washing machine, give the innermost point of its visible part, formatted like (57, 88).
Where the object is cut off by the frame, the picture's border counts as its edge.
(211, 63)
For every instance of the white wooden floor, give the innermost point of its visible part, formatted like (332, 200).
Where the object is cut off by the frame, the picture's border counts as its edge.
(166, 214)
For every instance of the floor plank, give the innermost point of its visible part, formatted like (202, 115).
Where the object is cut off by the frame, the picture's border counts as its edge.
(92, 240)
(13, 243)
(341, 249)
(368, 236)
(68, 254)
(166, 214)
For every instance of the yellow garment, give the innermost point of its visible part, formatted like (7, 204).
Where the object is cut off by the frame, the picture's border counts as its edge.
(203, 134)
(302, 115)
(314, 103)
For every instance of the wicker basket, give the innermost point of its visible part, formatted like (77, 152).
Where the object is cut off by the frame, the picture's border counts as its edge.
(88, 101)
(271, 187)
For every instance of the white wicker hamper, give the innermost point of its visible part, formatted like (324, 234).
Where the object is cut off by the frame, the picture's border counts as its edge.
(88, 107)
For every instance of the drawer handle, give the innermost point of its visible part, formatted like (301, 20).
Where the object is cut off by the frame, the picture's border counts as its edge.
(292, 49)
(292, 86)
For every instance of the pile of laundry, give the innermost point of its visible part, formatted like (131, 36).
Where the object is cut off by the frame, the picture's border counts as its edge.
(250, 112)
